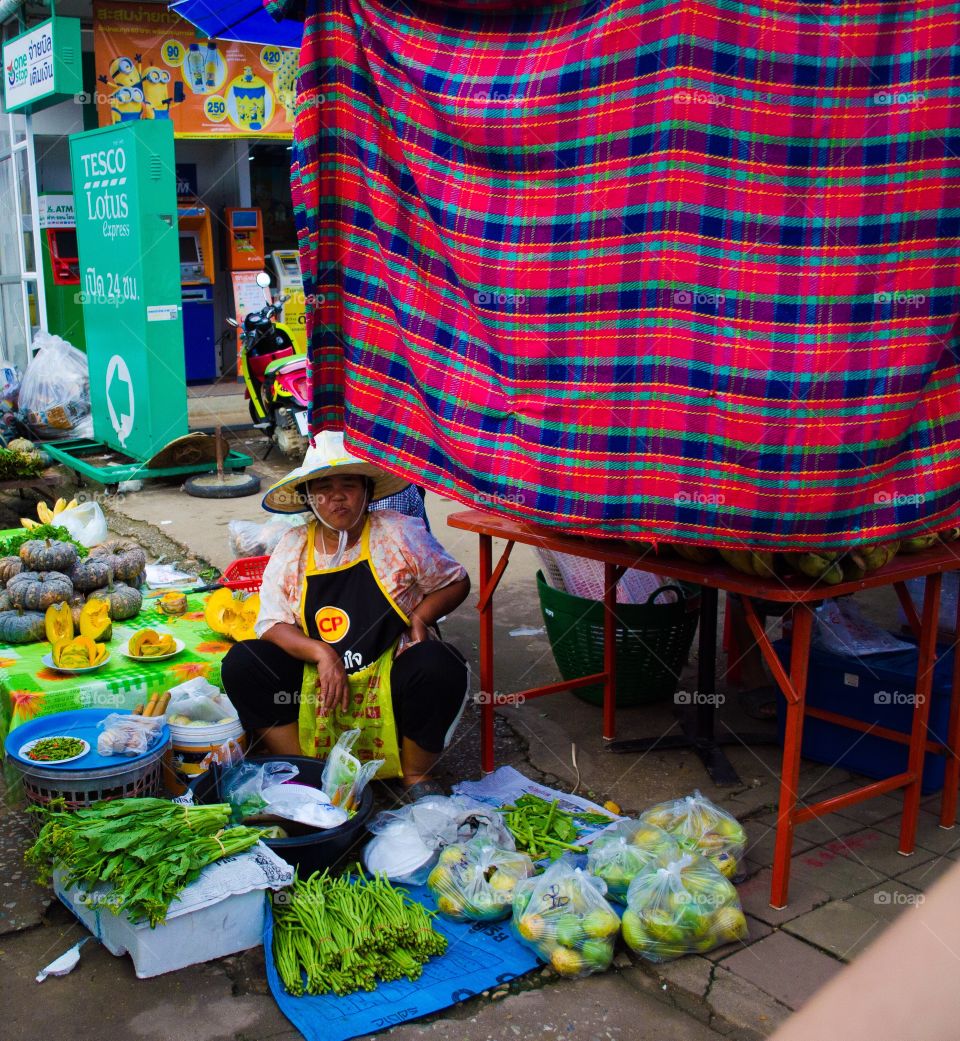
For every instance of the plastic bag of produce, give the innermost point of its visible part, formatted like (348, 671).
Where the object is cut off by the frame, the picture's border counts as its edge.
(55, 392)
(701, 827)
(407, 842)
(676, 907)
(344, 776)
(125, 734)
(563, 916)
(252, 539)
(475, 881)
(243, 785)
(85, 522)
(621, 853)
(199, 702)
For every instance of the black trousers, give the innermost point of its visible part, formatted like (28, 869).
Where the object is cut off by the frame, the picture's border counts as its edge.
(429, 682)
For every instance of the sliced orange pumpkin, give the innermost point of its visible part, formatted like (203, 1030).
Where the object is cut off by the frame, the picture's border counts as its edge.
(220, 611)
(95, 620)
(58, 623)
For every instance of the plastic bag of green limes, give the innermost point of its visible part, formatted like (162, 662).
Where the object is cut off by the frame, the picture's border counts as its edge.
(677, 907)
(620, 853)
(701, 827)
(563, 915)
(475, 881)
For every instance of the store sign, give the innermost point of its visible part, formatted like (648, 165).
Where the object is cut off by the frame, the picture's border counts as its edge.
(55, 211)
(126, 213)
(41, 67)
(151, 65)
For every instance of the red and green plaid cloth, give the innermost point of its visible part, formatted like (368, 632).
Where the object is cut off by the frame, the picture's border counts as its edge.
(672, 268)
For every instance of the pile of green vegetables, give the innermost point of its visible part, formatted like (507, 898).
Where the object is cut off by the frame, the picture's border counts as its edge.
(10, 546)
(542, 830)
(147, 850)
(15, 464)
(345, 934)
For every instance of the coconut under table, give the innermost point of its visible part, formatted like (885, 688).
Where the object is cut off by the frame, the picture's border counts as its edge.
(801, 596)
(29, 689)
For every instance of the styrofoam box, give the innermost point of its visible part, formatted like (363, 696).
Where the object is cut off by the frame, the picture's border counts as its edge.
(201, 925)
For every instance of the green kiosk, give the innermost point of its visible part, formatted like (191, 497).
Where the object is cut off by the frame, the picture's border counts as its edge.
(125, 206)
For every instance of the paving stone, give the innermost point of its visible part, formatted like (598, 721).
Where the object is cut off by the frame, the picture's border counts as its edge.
(751, 1013)
(784, 967)
(874, 810)
(840, 928)
(922, 876)
(691, 974)
(22, 902)
(755, 898)
(888, 900)
(836, 875)
(875, 850)
(756, 931)
(945, 841)
(760, 843)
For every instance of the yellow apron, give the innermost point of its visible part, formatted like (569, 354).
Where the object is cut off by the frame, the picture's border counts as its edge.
(348, 608)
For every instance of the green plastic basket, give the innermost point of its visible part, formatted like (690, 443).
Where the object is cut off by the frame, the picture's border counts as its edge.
(653, 641)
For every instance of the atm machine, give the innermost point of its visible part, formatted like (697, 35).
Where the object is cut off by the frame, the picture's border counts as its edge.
(196, 286)
(61, 268)
(286, 271)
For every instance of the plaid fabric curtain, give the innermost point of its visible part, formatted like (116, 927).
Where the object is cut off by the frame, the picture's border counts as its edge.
(681, 269)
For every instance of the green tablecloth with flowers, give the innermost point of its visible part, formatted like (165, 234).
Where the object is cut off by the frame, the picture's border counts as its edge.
(29, 689)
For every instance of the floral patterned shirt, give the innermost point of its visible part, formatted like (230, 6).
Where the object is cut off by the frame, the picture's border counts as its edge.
(408, 560)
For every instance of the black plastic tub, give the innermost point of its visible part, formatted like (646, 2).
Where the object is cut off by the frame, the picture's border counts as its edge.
(314, 849)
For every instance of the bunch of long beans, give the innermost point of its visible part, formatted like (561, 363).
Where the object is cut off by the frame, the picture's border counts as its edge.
(345, 934)
(147, 850)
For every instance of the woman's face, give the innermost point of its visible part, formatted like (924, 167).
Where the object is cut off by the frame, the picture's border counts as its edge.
(340, 500)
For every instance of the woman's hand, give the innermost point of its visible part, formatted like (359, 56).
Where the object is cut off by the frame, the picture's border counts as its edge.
(418, 630)
(333, 687)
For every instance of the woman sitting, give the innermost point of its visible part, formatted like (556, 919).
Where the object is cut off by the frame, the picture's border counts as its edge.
(356, 595)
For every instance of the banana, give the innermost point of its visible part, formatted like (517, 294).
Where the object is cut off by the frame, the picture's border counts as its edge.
(740, 560)
(695, 554)
(880, 554)
(854, 565)
(44, 513)
(762, 562)
(812, 565)
(917, 544)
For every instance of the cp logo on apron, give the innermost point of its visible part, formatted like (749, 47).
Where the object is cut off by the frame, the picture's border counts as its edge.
(332, 623)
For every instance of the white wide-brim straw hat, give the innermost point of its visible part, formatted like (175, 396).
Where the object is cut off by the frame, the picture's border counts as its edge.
(327, 455)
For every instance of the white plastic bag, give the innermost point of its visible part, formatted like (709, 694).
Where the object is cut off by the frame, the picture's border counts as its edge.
(55, 392)
(251, 539)
(344, 776)
(128, 734)
(85, 522)
(198, 700)
(407, 842)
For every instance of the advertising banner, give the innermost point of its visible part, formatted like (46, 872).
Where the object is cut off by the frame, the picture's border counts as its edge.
(151, 65)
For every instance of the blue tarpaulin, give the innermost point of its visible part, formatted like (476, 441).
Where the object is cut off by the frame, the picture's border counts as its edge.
(244, 20)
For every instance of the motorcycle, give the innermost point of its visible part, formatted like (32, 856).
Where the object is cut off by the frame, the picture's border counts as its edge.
(274, 375)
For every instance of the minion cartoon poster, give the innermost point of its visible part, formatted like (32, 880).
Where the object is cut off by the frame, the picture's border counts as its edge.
(151, 64)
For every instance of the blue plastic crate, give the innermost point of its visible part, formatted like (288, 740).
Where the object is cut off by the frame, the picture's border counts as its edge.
(855, 687)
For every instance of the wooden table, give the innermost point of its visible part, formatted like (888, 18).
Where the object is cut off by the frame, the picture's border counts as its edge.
(801, 595)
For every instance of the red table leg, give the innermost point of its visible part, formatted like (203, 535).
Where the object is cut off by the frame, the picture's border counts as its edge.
(951, 780)
(927, 659)
(611, 576)
(792, 738)
(486, 655)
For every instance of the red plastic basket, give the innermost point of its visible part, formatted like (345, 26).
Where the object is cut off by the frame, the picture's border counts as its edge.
(245, 574)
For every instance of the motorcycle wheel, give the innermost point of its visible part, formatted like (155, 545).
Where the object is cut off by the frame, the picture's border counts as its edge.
(288, 438)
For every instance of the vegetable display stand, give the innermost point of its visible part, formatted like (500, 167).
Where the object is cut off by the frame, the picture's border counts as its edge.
(653, 641)
(92, 778)
(801, 596)
(98, 462)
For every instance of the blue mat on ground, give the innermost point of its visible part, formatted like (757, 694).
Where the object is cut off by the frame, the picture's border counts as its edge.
(479, 956)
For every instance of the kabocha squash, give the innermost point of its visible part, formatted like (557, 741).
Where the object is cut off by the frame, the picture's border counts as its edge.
(230, 615)
(148, 643)
(6, 604)
(124, 601)
(21, 627)
(95, 620)
(10, 566)
(124, 557)
(92, 573)
(36, 591)
(58, 623)
(76, 603)
(79, 652)
(48, 555)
